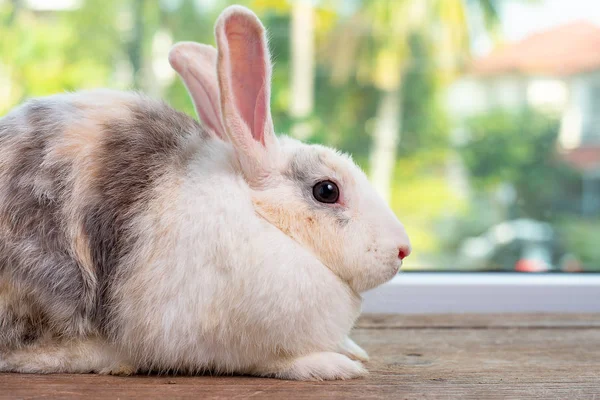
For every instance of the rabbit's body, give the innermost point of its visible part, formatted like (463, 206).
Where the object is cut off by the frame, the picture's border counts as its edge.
(133, 238)
(105, 211)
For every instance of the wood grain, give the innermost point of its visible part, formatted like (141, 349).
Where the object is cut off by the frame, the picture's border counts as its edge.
(413, 357)
(479, 321)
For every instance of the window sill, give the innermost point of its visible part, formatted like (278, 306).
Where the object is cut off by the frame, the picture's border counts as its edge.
(481, 292)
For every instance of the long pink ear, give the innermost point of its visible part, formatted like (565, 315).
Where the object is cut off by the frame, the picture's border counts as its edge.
(197, 65)
(244, 70)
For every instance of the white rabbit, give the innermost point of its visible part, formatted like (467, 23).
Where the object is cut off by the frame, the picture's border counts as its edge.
(134, 239)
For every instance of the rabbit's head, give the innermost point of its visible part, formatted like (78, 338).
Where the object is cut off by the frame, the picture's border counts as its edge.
(315, 195)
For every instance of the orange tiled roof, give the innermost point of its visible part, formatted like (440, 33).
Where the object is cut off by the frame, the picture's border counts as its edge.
(583, 158)
(566, 50)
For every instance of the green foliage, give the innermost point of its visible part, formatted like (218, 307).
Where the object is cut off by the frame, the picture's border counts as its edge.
(423, 198)
(345, 115)
(581, 237)
(109, 43)
(519, 148)
(42, 56)
(425, 124)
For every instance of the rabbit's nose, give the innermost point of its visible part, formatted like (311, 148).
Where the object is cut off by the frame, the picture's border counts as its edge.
(403, 252)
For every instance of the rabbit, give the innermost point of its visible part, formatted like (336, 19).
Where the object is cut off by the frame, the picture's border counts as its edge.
(134, 238)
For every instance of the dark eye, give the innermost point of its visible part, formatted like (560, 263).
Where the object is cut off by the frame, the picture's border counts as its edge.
(326, 192)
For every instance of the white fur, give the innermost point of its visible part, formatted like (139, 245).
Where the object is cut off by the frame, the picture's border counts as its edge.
(227, 290)
(363, 252)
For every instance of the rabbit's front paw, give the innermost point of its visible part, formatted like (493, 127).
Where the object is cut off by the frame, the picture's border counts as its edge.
(322, 367)
(118, 369)
(352, 350)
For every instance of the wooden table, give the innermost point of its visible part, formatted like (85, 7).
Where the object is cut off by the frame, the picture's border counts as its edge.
(412, 357)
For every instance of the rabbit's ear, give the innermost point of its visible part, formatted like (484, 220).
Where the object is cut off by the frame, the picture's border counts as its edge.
(244, 70)
(197, 65)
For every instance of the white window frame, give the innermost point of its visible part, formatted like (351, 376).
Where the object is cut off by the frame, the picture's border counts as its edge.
(482, 292)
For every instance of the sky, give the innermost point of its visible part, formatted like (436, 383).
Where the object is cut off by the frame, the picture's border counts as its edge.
(521, 18)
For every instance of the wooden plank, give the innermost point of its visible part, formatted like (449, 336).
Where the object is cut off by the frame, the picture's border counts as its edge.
(492, 356)
(236, 388)
(503, 362)
(479, 321)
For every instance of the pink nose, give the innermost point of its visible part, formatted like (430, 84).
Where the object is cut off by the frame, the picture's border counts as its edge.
(403, 252)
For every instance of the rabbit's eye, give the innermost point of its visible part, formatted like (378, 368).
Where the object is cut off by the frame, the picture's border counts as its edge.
(326, 192)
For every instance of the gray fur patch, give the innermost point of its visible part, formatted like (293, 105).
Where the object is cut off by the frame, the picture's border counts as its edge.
(33, 246)
(21, 321)
(35, 251)
(135, 153)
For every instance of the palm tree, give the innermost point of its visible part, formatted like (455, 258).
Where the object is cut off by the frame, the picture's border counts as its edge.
(373, 47)
(302, 46)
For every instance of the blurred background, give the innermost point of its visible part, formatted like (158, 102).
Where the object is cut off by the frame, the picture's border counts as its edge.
(478, 120)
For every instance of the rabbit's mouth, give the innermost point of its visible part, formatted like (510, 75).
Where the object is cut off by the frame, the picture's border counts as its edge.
(395, 269)
(399, 264)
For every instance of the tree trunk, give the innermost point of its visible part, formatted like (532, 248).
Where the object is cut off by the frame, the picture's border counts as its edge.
(14, 10)
(135, 47)
(302, 67)
(385, 140)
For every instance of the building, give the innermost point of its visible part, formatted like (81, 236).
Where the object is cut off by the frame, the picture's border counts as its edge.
(556, 70)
